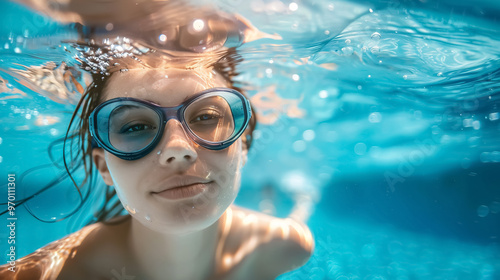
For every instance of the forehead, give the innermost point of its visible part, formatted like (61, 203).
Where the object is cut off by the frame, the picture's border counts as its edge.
(166, 87)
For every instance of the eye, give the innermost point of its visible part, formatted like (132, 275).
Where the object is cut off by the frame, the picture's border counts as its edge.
(137, 127)
(206, 117)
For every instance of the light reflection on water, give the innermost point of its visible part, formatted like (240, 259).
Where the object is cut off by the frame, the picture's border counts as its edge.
(402, 91)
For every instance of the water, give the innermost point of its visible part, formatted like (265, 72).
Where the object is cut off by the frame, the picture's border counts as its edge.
(386, 114)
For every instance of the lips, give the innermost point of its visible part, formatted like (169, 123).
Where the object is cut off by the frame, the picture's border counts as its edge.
(182, 187)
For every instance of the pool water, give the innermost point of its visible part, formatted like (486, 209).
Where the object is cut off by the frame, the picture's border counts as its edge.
(385, 114)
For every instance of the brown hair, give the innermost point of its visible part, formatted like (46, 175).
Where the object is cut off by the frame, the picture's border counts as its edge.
(92, 97)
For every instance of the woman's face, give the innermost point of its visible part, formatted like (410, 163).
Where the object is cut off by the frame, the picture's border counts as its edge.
(175, 158)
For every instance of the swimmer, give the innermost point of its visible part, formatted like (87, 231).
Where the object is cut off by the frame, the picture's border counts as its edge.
(171, 140)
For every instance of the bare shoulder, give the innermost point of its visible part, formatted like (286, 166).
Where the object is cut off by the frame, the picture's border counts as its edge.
(70, 257)
(48, 261)
(276, 245)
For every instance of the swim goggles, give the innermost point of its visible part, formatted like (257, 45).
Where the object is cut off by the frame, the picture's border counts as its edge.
(130, 128)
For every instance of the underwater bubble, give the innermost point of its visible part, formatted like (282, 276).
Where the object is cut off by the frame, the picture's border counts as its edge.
(308, 135)
(348, 41)
(495, 207)
(331, 7)
(293, 6)
(323, 94)
(256, 134)
(375, 49)
(347, 51)
(376, 36)
(483, 211)
(295, 77)
(148, 218)
(109, 26)
(17, 50)
(405, 77)
(1, 159)
(162, 38)
(299, 146)
(1, 140)
(494, 116)
(476, 125)
(360, 149)
(467, 122)
(327, 32)
(440, 74)
(53, 131)
(375, 117)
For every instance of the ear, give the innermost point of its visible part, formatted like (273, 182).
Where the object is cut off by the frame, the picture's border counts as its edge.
(102, 166)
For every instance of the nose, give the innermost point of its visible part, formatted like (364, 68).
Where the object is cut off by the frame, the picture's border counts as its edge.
(177, 148)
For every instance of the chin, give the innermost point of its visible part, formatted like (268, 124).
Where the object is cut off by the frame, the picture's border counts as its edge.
(186, 220)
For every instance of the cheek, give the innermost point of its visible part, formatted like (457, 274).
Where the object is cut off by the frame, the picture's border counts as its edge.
(225, 167)
(126, 177)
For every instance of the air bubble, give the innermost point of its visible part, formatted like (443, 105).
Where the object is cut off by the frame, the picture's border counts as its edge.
(360, 149)
(308, 135)
(347, 51)
(483, 211)
(405, 77)
(293, 6)
(162, 38)
(148, 218)
(494, 116)
(348, 41)
(376, 36)
(375, 49)
(375, 117)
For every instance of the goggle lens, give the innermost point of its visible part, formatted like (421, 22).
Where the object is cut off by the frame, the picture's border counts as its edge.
(127, 126)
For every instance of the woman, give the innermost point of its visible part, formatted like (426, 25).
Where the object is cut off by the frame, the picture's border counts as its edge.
(177, 175)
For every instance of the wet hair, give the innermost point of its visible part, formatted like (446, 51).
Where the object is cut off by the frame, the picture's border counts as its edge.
(94, 96)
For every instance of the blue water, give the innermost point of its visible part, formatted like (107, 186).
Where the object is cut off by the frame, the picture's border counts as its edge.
(387, 112)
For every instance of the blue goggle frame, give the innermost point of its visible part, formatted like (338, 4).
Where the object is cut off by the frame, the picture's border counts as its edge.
(177, 112)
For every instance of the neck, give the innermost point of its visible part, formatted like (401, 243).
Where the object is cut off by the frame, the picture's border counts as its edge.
(187, 256)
